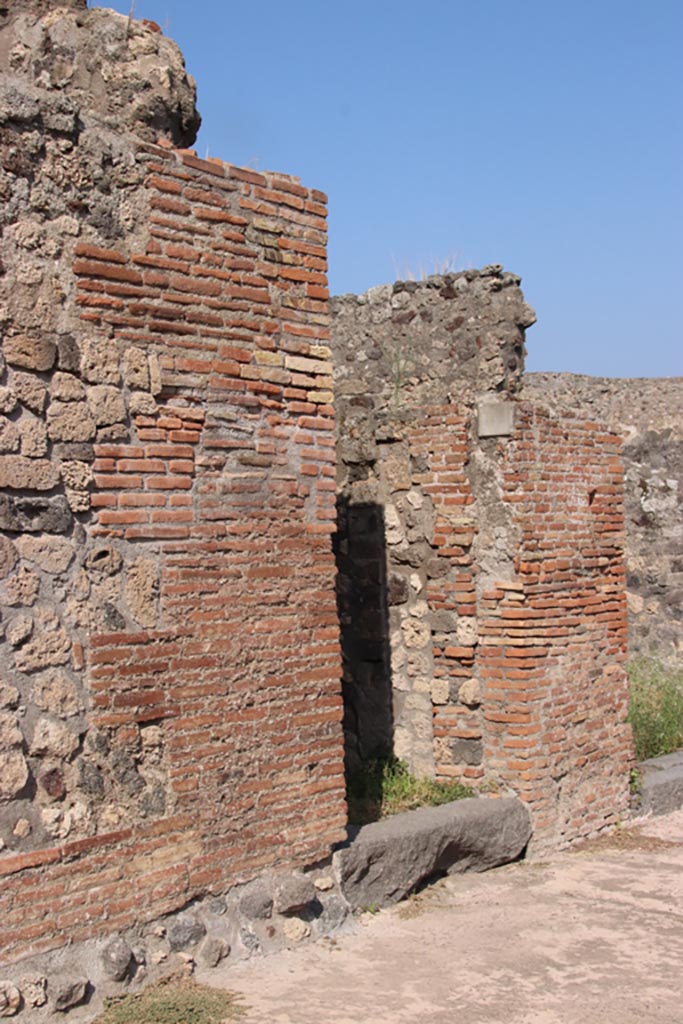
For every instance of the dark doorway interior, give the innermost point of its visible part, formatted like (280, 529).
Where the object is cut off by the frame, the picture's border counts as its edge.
(363, 612)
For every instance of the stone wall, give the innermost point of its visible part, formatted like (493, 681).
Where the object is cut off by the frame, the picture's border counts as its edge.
(170, 708)
(170, 699)
(409, 361)
(649, 416)
(480, 555)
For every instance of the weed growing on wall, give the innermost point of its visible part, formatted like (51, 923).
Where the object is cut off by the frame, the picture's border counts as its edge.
(400, 365)
(386, 786)
(451, 264)
(656, 711)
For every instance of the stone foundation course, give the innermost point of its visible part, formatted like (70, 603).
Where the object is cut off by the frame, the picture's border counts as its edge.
(277, 910)
(382, 864)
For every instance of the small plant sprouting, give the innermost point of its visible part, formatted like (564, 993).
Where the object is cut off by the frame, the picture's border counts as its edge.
(385, 785)
(447, 265)
(399, 364)
(656, 711)
(371, 908)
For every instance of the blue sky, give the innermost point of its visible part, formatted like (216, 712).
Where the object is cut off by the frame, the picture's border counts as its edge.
(543, 136)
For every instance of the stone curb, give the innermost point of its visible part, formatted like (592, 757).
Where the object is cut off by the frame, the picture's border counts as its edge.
(661, 788)
(389, 859)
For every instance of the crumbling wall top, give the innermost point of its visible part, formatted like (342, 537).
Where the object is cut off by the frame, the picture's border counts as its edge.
(631, 406)
(43, 6)
(102, 68)
(449, 335)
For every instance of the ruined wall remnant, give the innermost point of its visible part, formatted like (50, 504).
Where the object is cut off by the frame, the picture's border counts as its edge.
(553, 633)
(170, 715)
(410, 360)
(170, 705)
(648, 413)
(498, 610)
(68, 69)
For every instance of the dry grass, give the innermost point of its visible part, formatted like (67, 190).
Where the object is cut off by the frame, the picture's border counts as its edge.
(623, 839)
(173, 1001)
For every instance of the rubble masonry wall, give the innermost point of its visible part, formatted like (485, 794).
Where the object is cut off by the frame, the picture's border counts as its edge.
(170, 709)
(482, 607)
(170, 717)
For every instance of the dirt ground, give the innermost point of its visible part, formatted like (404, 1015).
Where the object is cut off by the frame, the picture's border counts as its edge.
(594, 936)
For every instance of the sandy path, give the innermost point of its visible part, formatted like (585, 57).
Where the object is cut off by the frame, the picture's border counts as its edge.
(592, 937)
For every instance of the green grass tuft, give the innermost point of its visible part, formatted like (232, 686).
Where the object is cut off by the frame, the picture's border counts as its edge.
(656, 711)
(385, 786)
(172, 1001)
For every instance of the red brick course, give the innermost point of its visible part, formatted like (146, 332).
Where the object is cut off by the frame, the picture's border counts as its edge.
(443, 439)
(553, 641)
(550, 644)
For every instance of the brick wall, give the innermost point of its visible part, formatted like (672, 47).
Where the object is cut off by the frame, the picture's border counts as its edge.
(501, 643)
(442, 443)
(410, 360)
(553, 634)
(648, 414)
(198, 604)
(170, 714)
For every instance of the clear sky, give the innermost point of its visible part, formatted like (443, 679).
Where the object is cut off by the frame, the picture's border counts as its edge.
(545, 136)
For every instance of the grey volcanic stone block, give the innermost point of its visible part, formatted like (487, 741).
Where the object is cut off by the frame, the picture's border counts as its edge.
(35, 515)
(293, 892)
(116, 958)
(70, 993)
(388, 859)
(186, 931)
(256, 903)
(661, 789)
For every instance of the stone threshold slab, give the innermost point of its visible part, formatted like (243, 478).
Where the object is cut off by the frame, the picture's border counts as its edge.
(387, 860)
